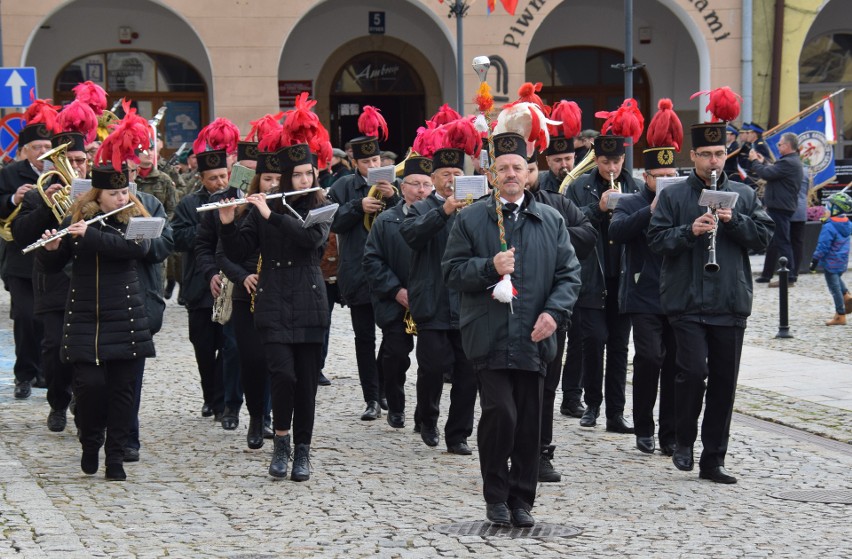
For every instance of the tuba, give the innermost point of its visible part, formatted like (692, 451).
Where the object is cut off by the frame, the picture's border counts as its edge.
(60, 201)
(580, 169)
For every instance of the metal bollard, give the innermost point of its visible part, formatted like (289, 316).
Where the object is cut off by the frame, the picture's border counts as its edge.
(783, 303)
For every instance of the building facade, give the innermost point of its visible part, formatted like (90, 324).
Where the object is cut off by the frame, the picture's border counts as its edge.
(244, 58)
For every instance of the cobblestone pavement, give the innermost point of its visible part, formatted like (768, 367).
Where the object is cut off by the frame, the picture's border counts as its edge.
(377, 492)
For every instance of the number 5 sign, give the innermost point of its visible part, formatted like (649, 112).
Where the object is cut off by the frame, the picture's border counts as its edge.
(377, 23)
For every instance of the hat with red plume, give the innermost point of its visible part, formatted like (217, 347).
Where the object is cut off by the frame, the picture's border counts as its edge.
(626, 120)
(664, 137)
(303, 126)
(562, 135)
(40, 118)
(724, 106)
(459, 137)
(373, 126)
(91, 94)
(527, 93)
(128, 136)
(445, 115)
(214, 143)
(78, 124)
(429, 140)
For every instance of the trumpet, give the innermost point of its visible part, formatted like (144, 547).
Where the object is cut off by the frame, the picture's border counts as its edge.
(62, 232)
(581, 168)
(612, 184)
(60, 201)
(712, 266)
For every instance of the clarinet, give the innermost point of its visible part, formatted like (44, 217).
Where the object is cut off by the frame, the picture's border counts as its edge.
(711, 265)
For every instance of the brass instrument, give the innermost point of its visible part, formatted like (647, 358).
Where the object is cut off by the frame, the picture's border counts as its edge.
(6, 224)
(580, 169)
(62, 232)
(399, 168)
(712, 266)
(369, 218)
(60, 201)
(223, 305)
(410, 325)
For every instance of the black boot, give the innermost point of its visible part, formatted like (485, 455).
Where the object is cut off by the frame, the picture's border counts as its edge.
(254, 437)
(301, 463)
(546, 471)
(280, 456)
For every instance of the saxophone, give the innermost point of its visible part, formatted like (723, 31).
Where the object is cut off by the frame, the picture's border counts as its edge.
(223, 305)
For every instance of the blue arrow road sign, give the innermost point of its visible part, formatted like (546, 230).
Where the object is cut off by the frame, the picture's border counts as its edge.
(15, 85)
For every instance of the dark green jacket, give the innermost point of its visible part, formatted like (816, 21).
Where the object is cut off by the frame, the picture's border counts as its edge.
(386, 260)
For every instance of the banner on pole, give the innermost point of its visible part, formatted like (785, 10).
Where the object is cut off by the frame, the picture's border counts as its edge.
(817, 136)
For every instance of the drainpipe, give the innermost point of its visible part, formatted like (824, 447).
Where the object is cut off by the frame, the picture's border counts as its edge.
(748, 61)
(777, 52)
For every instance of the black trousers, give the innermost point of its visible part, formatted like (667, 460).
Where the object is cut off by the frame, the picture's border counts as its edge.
(710, 353)
(207, 340)
(105, 401)
(653, 364)
(133, 434)
(606, 329)
(780, 245)
(254, 373)
(396, 348)
(57, 373)
(440, 351)
(294, 372)
(364, 328)
(572, 371)
(231, 383)
(797, 239)
(27, 328)
(509, 430)
(551, 383)
(333, 296)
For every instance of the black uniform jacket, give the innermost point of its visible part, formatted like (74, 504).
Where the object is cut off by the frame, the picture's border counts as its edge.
(150, 268)
(433, 305)
(386, 261)
(639, 284)
(546, 277)
(352, 236)
(186, 223)
(581, 232)
(605, 260)
(291, 305)
(783, 181)
(237, 273)
(548, 181)
(207, 241)
(105, 317)
(686, 289)
(12, 177)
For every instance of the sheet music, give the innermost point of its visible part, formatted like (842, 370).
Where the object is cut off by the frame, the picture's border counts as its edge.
(321, 215)
(80, 186)
(665, 182)
(144, 228)
(613, 199)
(240, 177)
(716, 199)
(470, 187)
(377, 174)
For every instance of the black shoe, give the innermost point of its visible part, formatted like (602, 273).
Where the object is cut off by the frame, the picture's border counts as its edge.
(206, 411)
(218, 415)
(131, 454)
(521, 518)
(645, 444)
(268, 432)
(572, 409)
(618, 425)
(301, 463)
(280, 456)
(460, 448)
(254, 437)
(416, 427)
(115, 472)
(667, 448)
(23, 389)
(324, 380)
(761, 279)
(372, 412)
(230, 419)
(383, 402)
(498, 513)
(429, 435)
(546, 472)
(57, 420)
(396, 419)
(682, 458)
(590, 416)
(718, 475)
(169, 290)
(39, 381)
(89, 462)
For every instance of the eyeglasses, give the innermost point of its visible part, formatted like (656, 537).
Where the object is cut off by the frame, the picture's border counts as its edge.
(77, 160)
(711, 154)
(418, 184)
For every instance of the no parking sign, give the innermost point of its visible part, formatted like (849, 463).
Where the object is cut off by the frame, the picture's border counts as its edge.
(10, 126)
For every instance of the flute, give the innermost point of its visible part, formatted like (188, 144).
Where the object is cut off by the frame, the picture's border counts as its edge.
(62, 232)
(240, 201)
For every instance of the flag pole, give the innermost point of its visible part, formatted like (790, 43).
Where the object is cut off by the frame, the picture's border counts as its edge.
(800, 113)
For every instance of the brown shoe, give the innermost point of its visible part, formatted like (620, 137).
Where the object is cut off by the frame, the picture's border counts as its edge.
(847, 302)
(838, 320)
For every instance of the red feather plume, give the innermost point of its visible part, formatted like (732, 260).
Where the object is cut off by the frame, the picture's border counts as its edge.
(91, 94)
(263, 126)
(219, 134)
(527, 94)
(269, 137)
(665, 128)
(445, 115)
(429, 140)
(625, 121)
(41, 111)
(78, 116)
(303, 126)
(131, 133)
(371, 122)
(724, 104)
(461, 134)
(569, 113)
